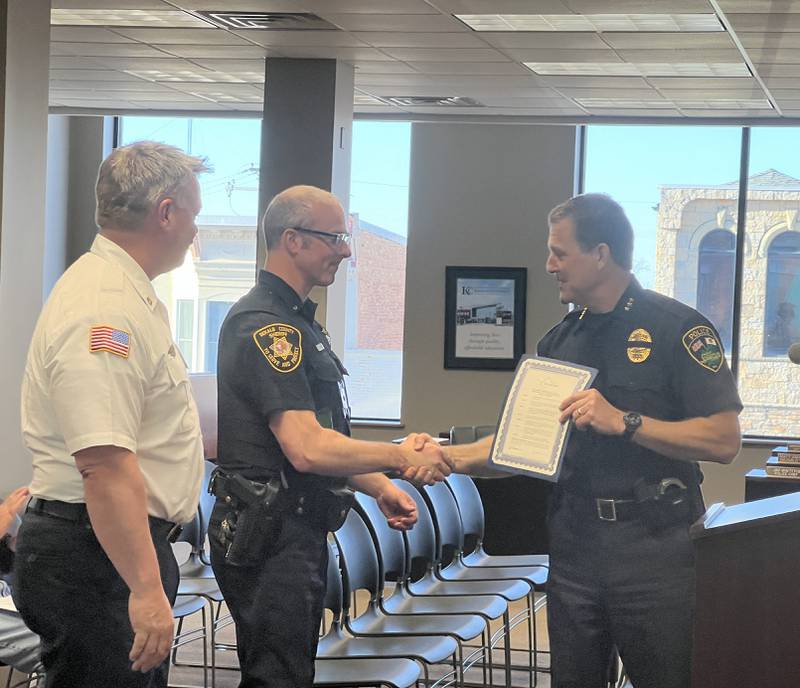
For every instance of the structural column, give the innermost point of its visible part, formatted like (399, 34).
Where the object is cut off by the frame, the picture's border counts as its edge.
(306, 139)
(25, 46)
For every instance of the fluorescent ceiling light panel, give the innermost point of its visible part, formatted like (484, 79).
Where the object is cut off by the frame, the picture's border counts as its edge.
(682, 69)
(724, 104)
(202, 76)
(591, 22)
(176, 19)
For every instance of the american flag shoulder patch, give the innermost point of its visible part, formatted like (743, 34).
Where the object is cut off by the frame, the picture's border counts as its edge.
(110, 339)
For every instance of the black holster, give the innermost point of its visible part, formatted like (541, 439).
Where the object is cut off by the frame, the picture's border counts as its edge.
(338, 504)
(253, 521)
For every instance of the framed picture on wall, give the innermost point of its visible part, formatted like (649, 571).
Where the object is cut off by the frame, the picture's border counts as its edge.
(484, 317)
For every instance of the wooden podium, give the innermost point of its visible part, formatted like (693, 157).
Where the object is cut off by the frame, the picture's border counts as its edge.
(747, 623)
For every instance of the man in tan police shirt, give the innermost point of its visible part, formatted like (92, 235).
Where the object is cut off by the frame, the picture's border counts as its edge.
(108, 415)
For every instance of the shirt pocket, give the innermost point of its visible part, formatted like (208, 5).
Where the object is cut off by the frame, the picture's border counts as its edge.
(637, 387)
(179, 390)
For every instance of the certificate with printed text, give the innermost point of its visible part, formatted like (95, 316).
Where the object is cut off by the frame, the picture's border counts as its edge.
(529, 437)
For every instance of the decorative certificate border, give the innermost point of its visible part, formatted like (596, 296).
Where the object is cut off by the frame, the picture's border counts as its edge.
(549, 468)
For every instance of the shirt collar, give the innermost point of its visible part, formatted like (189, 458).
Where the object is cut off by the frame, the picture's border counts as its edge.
(629, 301)
(113, 253)
(275, 285)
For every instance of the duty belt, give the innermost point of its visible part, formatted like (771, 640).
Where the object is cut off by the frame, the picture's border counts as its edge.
(76, 512)
(669, 491)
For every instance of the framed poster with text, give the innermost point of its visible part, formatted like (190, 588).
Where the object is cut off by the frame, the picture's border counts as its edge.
(484, 316)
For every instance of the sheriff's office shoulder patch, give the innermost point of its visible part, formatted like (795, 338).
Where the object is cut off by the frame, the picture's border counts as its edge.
(703, 346)
(281, 345)
(109, 339)
(640, 345)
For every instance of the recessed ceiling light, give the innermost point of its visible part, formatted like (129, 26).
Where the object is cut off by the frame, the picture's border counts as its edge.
(268, 21)
(682, 69)
(591, 22)
(176, 19)
(725, 104)
(432, 101)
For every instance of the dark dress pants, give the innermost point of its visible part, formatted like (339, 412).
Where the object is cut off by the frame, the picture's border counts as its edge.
(276, 605)
(619, 584)
(68, 591)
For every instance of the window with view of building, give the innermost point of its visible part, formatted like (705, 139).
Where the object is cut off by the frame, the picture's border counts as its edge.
(375, 296)
(680, 187)
(220, 266)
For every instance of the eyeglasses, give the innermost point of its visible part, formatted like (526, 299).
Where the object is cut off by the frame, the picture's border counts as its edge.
(334, 239)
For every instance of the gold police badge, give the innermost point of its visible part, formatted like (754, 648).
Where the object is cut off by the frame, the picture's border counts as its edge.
(281, 345)
(703, 346)
(639, 345)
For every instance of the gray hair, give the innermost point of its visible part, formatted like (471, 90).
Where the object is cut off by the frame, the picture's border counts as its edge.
(292, 207)
(134, 179)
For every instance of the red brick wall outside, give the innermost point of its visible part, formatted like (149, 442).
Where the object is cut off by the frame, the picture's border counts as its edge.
(381, 271)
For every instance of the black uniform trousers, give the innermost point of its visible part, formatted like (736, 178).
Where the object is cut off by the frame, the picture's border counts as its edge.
(626, 584)
(277, 604)
(68, 591)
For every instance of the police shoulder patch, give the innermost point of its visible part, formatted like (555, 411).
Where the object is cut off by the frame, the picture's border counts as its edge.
(282, 346)
(703, 346)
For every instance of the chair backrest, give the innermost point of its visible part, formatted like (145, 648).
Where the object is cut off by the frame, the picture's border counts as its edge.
(469, 504)
(207, 500)
(204, 391)
(446, 519)
(389, 542)
(462, 434)
(421, 539)
(482, 431)
(358, 559)
(333, 591)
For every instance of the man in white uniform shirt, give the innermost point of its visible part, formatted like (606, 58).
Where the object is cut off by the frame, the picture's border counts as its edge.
(108, 415)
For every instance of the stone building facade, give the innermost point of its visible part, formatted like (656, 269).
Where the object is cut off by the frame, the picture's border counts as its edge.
(696, 267)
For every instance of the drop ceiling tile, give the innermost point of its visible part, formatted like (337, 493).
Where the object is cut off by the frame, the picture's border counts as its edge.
(382, 67)
(302, 38)
(527, 102)
(243, 91)
(391, 80)
(103, 4)
(247, 107)
(774, 83)
(772, 70)
(240, 5)
(563, 55)
(766, 23)
(489, 112)
(73, 62)
(83, 85)
(460, 68)
(446, 55)
(634, 112)
(143, 63)
(678, 56)
(179, 106)
(775, 55)
(391, 39)
(683, 40)
(376, 110)
(109, 105)
(394, 22)
(503, 6)
(85, 34)
(105, 50)
(176, 36)
(370, 6)
(781, 94)
(234, 52)
(761, 114)
(90, 75)
(769, 40)
(349, 54)
(540, 40)
(759, 6)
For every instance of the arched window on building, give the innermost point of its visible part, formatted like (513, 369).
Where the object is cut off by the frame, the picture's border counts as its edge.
(782, 309)
(715, 271)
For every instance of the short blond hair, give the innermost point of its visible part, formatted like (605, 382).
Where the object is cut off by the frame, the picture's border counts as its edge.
(134, 179)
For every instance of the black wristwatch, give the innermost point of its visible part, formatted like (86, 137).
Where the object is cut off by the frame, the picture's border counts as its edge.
(633, 421)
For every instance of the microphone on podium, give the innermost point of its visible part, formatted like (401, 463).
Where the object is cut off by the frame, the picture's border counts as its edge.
(794, 353)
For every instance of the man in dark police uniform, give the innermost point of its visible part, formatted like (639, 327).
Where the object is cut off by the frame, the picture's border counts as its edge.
(621, 562)
(285, 454)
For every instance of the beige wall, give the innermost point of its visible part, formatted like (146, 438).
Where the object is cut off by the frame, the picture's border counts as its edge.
(479, 195)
